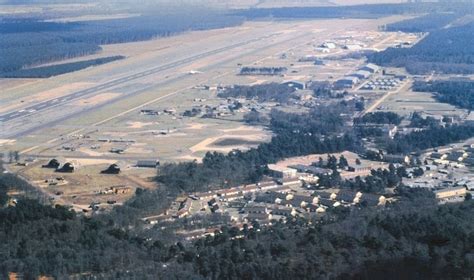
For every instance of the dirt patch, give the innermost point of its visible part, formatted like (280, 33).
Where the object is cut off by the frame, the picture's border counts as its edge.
(89, 152)
(139, 124)
(189, 158)
(196, 126)
(209, 144)
(88, 162)
(8, 84)
(6, 142)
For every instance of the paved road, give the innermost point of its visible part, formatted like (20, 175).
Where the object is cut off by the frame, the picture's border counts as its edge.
(404, 86)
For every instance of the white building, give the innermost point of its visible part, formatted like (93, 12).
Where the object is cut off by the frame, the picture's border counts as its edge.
(372, 68)
(282, 172)
(347, 82)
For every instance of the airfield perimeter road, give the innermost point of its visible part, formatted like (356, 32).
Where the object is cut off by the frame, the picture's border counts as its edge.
(131, 77)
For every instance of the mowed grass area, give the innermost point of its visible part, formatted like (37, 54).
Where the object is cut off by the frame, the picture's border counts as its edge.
(406, 102)
(234, 142)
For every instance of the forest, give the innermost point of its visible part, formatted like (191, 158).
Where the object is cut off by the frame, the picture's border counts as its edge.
(26, 43)
(379, 118)
(429, 138)
(427, 23)
(262, 70)
(417, 120)
(455, 92)
(443, 51)
(428, 241)
(58, 69)
(357, 11)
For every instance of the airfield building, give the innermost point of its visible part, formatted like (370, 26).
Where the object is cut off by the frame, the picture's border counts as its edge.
(362, 74)
(281, 172)
(346, 82)
(372, 68)
(148, 163)
(457, 194)
(295, 84)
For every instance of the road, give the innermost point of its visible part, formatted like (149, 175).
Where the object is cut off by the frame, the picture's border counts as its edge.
(377, 103)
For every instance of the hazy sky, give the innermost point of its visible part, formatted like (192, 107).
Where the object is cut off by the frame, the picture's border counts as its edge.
(237, 2)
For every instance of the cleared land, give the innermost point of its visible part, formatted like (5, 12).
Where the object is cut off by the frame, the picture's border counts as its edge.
(406, 101)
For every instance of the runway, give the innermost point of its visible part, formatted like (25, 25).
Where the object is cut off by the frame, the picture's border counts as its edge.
(31, 110)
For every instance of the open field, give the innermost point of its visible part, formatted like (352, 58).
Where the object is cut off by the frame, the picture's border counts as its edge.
(86, 185)
(407, 101)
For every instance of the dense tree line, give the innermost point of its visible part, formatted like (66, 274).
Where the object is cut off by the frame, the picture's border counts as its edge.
(315, 122)
(416, 120)
(29, 42)
(379, 118)
(430, 242)
(429, 138)
(42, 240)
(425, 240)
(263, 93)
(425, 23)
(218, 170)
(357, 11)
(262, 70)
(255, 118)
(54, 70)
(459, 93)
(443, 50)
(14, 58)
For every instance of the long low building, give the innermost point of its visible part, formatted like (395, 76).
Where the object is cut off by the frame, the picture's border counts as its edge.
(457, 194)
(372, 68)
(346, 82)
(362, 74)
(281, 172)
